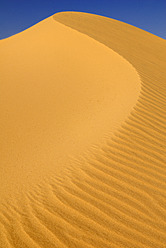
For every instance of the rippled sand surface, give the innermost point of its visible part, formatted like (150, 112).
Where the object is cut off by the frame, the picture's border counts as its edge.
(82, 102)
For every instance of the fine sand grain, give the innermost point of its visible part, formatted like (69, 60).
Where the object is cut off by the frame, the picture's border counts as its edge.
(82, 135)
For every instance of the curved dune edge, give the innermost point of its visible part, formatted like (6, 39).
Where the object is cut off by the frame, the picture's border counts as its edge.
(61, 92)
(114, 197)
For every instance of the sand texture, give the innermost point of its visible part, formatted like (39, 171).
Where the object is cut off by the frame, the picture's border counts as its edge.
(82, 135)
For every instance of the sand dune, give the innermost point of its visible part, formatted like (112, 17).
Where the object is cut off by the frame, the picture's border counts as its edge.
(83, 135)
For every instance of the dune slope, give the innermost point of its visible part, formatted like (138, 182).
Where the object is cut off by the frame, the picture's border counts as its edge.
(108, 195)
(60, 93)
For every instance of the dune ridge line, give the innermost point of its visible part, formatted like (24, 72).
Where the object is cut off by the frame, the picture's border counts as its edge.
(113, 193)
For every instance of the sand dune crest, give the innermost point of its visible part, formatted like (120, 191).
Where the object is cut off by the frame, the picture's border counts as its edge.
(108, 195)
(57, 87)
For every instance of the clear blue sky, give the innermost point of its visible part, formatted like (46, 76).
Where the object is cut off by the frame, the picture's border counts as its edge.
(17, 15)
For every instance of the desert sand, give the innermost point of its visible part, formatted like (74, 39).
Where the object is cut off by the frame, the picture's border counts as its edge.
(82, 135)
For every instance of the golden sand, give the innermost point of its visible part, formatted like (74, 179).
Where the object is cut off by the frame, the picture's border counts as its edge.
(82, 101)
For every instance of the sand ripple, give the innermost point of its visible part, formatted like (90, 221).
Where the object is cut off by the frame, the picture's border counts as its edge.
(113, 195)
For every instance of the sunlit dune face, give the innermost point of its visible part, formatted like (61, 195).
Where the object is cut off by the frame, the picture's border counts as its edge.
(82, 139)
(61, 91)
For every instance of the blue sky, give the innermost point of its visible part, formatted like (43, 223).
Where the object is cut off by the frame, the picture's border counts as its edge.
(17, 15)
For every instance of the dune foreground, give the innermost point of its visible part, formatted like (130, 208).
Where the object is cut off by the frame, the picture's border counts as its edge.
(83, 137)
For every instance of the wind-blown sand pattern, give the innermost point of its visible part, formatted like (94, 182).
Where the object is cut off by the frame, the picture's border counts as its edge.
(83, 135)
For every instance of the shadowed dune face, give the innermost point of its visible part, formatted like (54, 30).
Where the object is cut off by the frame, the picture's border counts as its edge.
(60, 93)
(111, 196)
